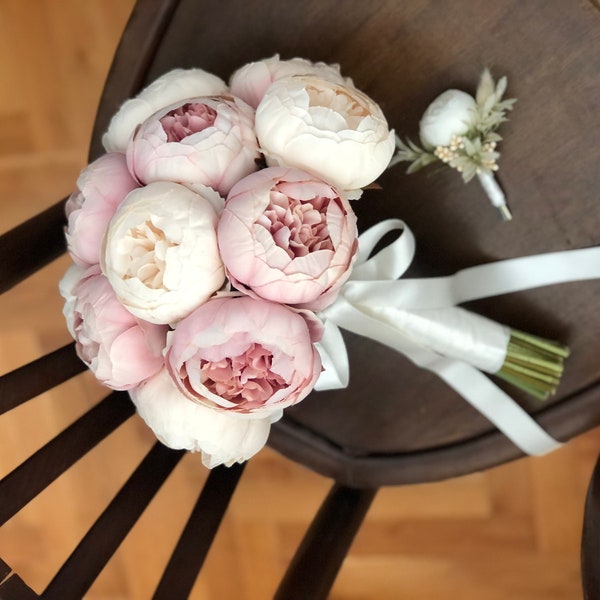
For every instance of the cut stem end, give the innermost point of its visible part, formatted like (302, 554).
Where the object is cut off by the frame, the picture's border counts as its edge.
(505, 213)
(534, 365)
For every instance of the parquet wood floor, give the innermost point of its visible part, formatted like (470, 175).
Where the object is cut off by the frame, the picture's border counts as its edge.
(509, 533)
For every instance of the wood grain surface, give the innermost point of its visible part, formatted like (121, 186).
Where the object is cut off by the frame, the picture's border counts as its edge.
(511, 532)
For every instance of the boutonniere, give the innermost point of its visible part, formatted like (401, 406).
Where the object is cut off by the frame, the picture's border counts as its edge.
(461, 131)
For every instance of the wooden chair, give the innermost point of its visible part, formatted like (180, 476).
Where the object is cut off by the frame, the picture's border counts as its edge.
(395, 424)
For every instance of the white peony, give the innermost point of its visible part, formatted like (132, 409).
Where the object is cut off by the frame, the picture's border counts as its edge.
(160, 252)
(330, 130)
(251, 81)
(172, 87)
(451, 113)
(179, 423)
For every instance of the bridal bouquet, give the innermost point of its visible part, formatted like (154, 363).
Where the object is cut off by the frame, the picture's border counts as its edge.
(215, 242)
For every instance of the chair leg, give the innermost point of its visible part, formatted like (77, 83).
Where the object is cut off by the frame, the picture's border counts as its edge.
(590, 539)
(318, 559)
(197, 537)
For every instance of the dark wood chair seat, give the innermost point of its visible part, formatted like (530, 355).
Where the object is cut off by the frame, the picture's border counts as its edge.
(395, 424)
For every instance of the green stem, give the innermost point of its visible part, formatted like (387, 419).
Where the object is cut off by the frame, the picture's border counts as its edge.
(553, 348)
(518, 382)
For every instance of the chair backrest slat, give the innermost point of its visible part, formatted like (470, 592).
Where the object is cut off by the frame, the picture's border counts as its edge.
(32, 245)
(14, 588)
(26, 481)
(4, 570)
(40, 375)
(200, 530)
(87, 560)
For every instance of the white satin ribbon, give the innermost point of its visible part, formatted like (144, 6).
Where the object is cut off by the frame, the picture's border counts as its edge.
(367, 301)
(495, 194)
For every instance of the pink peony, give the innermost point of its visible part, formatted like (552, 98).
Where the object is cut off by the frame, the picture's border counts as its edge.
(243, 355)
(119, 349)
(102, 186)
(221, 436)
(288, 237)
(208, 141)
(173, 86)
(252, 80)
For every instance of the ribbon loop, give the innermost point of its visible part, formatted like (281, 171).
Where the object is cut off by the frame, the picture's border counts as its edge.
(389, 263)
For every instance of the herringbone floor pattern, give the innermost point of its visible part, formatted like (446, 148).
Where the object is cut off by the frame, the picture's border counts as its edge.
(510, 533)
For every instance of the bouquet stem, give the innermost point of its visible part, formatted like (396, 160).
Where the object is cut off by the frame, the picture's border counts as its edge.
(530, 363)
(533, 364)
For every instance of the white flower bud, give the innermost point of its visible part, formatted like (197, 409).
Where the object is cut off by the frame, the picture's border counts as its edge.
(451, 113)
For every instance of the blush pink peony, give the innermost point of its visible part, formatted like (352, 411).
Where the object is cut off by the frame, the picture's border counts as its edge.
(102, 186)
(288, 237)
(244, 355)
(222, 437)
(174, 86)
(251, 81)
(119, 349)
(208, 141)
